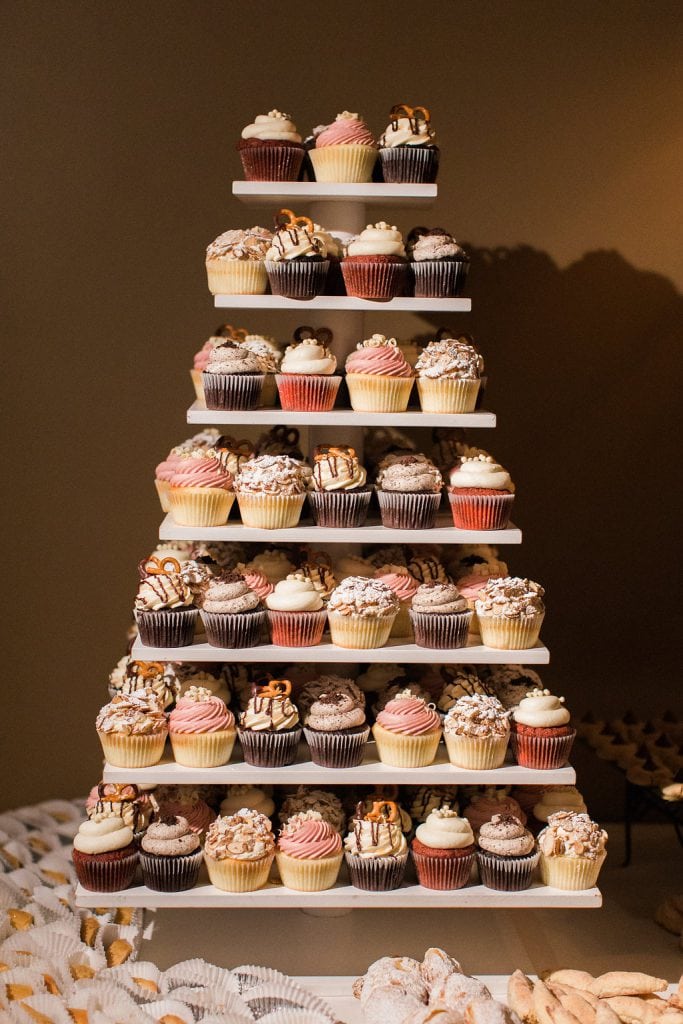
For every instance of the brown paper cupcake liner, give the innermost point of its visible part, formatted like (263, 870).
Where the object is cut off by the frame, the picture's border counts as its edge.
(272, 163)
(508, 874)
(408, 511)
(443, 872)
(100, 873)
(241, 629)
(170, 874)
(376, 874)
(379, 281)
(337, 749)
(339, 508)
(297, 279)
(441, 631)
(438, 279)
(543, 753)
(480, 511)
(297, 629)
(167, 628)
(510, 634)
(409, 164)
(232, 391)
(307, 392)
(269, 749)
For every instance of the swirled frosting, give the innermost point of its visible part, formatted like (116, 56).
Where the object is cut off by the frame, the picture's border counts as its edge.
(256, 581)
(492, 801)
(201, 357)
(245, 835)
(321, 576)
(505, 836)
(336, 468)
(201, 469)
(253, 797)
(380, 239)
(295, 242)
(541, 710)
(559, 798)
(409, 715)
(307, 836)
(481, 471)
(238, 244)
(170, 837)
(308, 357)
(444, 829)
(132, 714)
(357, 595)
(104, 836)
(347, 129)
(403, 584)
(433, 244)
(375, 839)
(379, 355)
(449, 358)
(477, 715)
(272, 474)
(232, 358)
(274, 126)
(228, 594)
(200, 712)
(438, 599)
(572, 835)
(191, 807)
(410, 474)
(269, 714)
(407, 131)
(335, 709)
(296, 593)
(511, 597)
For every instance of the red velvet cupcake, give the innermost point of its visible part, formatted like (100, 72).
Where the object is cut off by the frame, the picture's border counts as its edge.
(271, 148)
(481, 494)
(104, 855)
(541, 735)
(375, 266)
(443, 850)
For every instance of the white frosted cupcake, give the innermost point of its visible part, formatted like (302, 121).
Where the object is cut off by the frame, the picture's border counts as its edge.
(296, 613)
(307, 381)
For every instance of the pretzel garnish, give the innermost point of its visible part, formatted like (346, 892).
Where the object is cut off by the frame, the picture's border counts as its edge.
(334, 451)
(384, 810)
(225, 443)
(293, 221)
(413, 113)
(275, 688)
(118, 791)
(228, 331)
(147, 669)
(158, 566)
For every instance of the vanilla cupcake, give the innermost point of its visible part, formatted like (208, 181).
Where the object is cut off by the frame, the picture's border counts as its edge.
(440, 616)
(309, 853)
(296, 613)
(378, 376)
(510, 611)
(239, 851)
(296, 261)
(271, 490)
(405, 586)
(407, 731)
(573, 849)
(338, 493)
(443, 850)
(132, 729)
(269, 728)
(235, 262)
(361, 613)
(271, 149)
(476, 731)
(201, 729)
(254, 797)
(307, 381)
(448, 376)
(344, 150)
(200, 491)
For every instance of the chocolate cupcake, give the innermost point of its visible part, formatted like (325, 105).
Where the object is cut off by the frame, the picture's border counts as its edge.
(440, 616)
(409, 492)
(335, 728)
(507, 854)
(443, 850)
(339, 495)
(269, 729)
(296, 262)
(233, 378)
(170, 855)
(407, 150)
(438, 266)
(231, 612)
(271, 149)
(164, 605)
(376, 851)
(104, 855)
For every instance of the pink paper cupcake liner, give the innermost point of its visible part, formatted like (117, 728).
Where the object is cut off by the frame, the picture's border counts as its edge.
(544, 753)
(404, 164)
(170, 874)
(307, 392)
(508, 874)
(408, 511)
(242, 629)
(380, 281)
(339, 508)
(337, 749)
(481, 511)
(232, 391)
(376, 874)
(443, 872)
(438, 279)
(441, 631)
(99, 874)
(168, 628)
(270, 749)
(297, 279)
(271, 163)
(297, 629)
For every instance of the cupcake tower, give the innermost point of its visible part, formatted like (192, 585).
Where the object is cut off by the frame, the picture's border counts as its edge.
(203, 611)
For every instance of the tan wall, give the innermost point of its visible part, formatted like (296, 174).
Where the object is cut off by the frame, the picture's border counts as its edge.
(557, 124)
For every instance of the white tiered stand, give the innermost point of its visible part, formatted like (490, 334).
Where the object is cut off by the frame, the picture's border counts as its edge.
(340, 207)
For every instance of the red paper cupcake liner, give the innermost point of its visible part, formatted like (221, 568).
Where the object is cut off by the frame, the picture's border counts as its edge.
(269, 749)
(337, 749)
(376, 874)
(481, 511)
(380, 281)
(541, 752)
(170, 874)
(243, 629)
(438, 279)
(167, 628)
(297, 279)
(339, 508)
(232, 391)
(297, 629)
(403, 164)
(108, 872)
(508, 874)
(312, 392)
(271, 163)
(441, 631)
(408, 511)
(443, 872)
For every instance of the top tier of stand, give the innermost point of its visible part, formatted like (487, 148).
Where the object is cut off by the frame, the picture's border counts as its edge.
(273, 193)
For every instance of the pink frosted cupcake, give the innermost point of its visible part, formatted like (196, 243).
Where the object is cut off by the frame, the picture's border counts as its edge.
(407, 732)
(200, 361)
(200, 490)
(471, 585)
(201, 729)
(378, 376)
(344, 150)
(404, 585)
(309, 853)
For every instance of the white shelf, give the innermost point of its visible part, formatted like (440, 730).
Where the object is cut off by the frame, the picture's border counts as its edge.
(370, 772)
(372, 533)
(341, 896)
(272, 193)
(346, 303)
(198, 413)
(327, 653)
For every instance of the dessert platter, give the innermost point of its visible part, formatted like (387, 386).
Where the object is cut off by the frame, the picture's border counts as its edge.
(328, 700)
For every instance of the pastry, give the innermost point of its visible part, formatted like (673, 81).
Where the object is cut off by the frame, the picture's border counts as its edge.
(132, 729)
(448, 376)
(339, 495)
(481, 494)
(507, 855)
(476, 731)
(378, 376)
(239, 851)
(404, 585)
(335, 727)
(361, 613)
(494, 800)
(407, 732)
(235, 262)
(307, 381)
(104, 855)
(407, 151)
(344, 151)
(409, 493)
(376, 851)
(253, 797)
(170, 855)
(440, 616)
(443, 850)
(309, 853)
(572, 851)
(271, 490)
(438, 265)
(233, 378)
(200, 490)
(269, 729)
(510, 612)
(541, 736)
(231, 611)
(296, 260)
(164, 605)
(307, 799)
(375, 263)
(271, 149)
(201, 730)
(296, 612)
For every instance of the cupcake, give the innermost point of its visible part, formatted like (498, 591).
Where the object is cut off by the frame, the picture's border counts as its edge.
(170, 855)
(507, 855)
(407, 151)
(409, 493)
(481, 494)
(231, 612)
(375, 263)
(376, 850)
(120, 800)
(231, 453)
(235, 262)
(448, 376)
(378, 376)
(296, 614)
(307, 381)
(407, 732)
(132, 729)
(164, 608)
(269, 729)
(361, 613)
(254, 797)
(443, 850)
(494, 800)
(185, 802)
(200, 492)
(438, 267)
(426, 799)
(440, 616)
(274, 563)
(335, 727)
(541, 734)
(338, 495)
(271, 149)
(309, 853)
(201, 729)
(269, 358)
(271, 490)
(344, 150)
(476, 731)
(510, 610)
(165, 470)
(296, 261)
(573, 849)
(404, 585)
(233, 378)
(131, 675)
(104, 855)
(239, 851)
